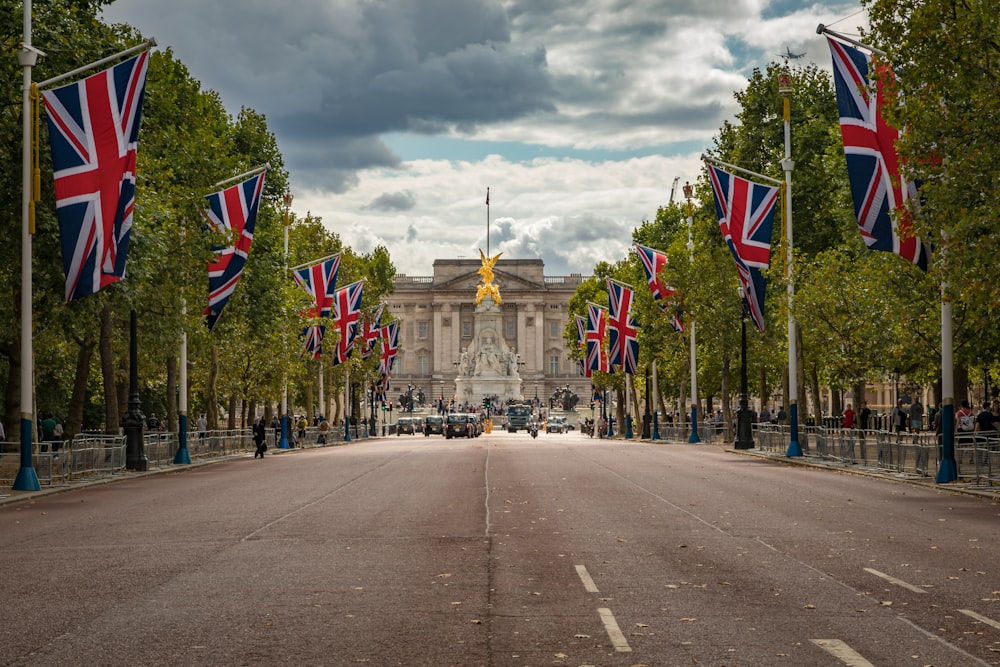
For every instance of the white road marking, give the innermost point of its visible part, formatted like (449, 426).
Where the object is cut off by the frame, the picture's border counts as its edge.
(842, 652)
(614, 632)
(588, 583)
(894, 580)
(982, 619)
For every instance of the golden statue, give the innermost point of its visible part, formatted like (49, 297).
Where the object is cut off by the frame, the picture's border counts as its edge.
(486, 271)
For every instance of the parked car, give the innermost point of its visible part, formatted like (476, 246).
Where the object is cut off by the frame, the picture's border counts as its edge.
(433, 425)
(409, 425)
(556, 425)
(458, 426)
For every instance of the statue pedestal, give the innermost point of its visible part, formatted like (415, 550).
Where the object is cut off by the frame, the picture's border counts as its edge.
(488, 367)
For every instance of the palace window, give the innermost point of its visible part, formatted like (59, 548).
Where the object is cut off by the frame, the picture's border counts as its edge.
(553, 364)
(422, 329)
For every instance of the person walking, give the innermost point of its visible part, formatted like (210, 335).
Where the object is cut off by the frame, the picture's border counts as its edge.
(916, 416)
(259, 437)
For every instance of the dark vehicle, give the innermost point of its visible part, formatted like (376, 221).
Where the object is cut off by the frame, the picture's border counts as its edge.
(556, 425)
(409, 425)
(433, 425)
(518, 416)
(458, 426)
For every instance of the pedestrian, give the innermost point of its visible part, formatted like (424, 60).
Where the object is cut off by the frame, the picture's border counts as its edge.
(276, 425)
(899, 418)
(986, 422)
(202, 426)
(57, 436)
(324, 428)
(916, 416)
(848, 417)
(153, 424)
(765, 415)
(48, 427)
(259, 437)
(964, 420)
(781, 414)
(864, 417)
(300, 426)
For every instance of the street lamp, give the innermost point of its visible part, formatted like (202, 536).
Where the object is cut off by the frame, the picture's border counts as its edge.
(688, 192)
(744, 421)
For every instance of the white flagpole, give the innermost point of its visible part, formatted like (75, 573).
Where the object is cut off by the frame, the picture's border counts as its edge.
(788, 164)
(27, 479)
(183, 456)
(97, 63)
(694, 363)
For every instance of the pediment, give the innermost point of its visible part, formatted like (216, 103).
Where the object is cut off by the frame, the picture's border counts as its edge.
(470, 281)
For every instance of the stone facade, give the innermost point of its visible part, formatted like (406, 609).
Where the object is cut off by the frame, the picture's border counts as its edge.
(436, 314)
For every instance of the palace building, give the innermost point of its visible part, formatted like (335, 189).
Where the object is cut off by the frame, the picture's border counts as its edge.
(437, 316)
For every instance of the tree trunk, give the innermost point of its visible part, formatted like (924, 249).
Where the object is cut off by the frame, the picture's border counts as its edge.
(172, 425)
(12, 399)
(211, 399)
(765, 389)
(251, 413)
(74, 417)
(231, 422)
(620, 412)
(727, 412)
(308, 390)
(112, 419)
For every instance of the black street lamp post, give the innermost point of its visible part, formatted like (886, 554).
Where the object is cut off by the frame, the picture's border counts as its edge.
(744, 420)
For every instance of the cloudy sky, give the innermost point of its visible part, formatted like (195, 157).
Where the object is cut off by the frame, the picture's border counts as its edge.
(394, 116)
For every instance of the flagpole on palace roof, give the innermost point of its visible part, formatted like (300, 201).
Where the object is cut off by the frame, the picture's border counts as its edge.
(27, 479)
(487, 221)
(97, 63)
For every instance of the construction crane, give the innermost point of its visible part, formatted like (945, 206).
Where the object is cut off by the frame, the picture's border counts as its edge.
(673, 190)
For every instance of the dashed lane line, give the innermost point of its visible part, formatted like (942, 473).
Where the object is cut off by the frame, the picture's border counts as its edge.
(894, 580)
(982, 619)
(614, 632)
(588, 582)
(841, 651)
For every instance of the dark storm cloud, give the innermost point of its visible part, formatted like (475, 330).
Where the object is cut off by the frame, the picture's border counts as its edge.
(330, 77)
(392, 201)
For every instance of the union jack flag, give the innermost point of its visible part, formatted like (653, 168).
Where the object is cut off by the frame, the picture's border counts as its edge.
(313, 335)
(347, 317)
(319, 281)
(880, 194)
(233, 213)
(622, 341)
(389, 337)
(652, 262)
(597, 357)
(370, 330)
(94, 135)
(581, 342)
(746, 217)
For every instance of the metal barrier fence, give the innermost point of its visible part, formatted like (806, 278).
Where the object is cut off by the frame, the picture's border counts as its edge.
(86, 456)
(977, 455)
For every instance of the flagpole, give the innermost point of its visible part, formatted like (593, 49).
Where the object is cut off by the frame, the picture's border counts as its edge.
(283, 443)
(97, 63)
(183, 456)
(655, 435)
(245, 174)
(788, 164)
(720, 163)
(27, 479)
(487, 221)
(314, 262)
(822, 29)
(688, 191)
(947, 467)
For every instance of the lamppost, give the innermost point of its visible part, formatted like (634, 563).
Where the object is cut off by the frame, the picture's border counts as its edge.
(688, 192)
(744, 421)
(647, 416)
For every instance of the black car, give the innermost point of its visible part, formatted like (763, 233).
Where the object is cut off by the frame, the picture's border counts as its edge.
(409, 425)
(433, 425)
(458, 426)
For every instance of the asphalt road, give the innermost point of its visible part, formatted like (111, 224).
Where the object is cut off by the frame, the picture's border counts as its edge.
(501, 551)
